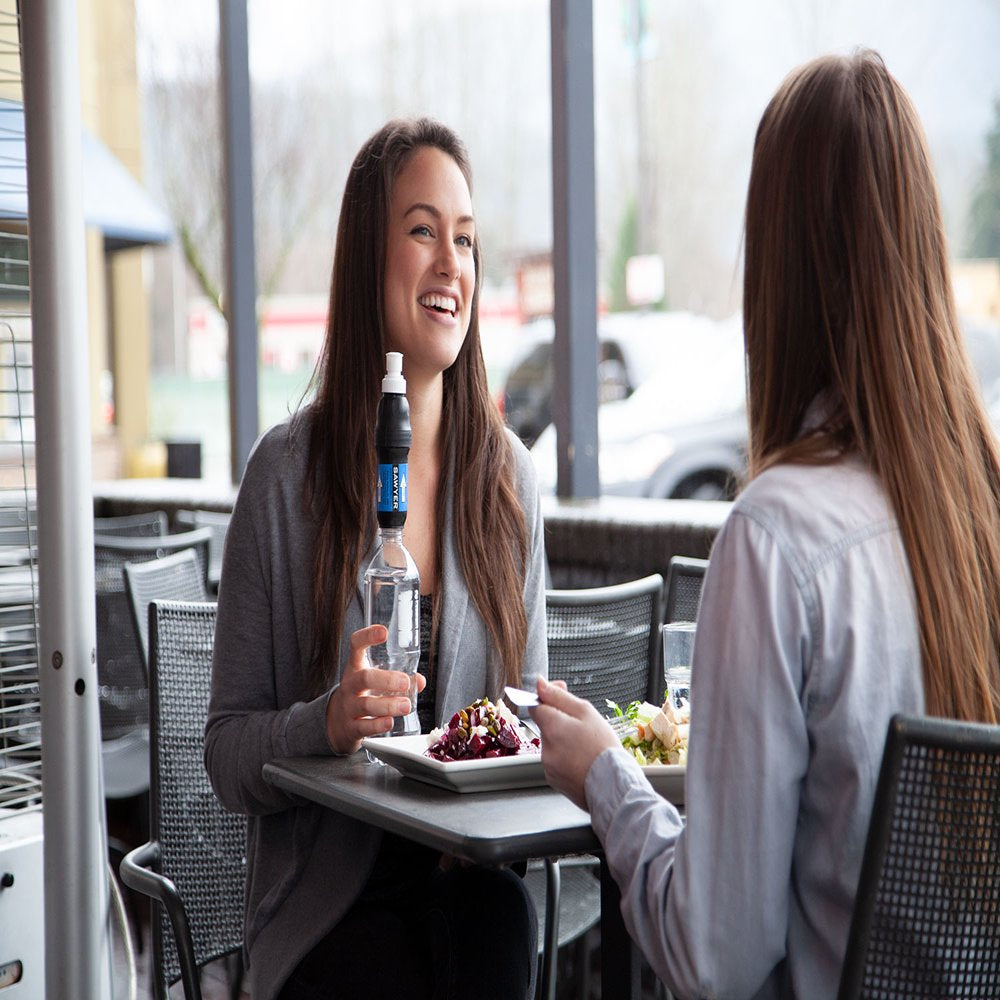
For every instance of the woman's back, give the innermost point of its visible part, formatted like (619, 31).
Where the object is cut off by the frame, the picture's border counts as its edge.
(794, 692)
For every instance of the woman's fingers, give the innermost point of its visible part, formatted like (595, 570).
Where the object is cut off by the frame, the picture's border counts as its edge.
(361, 641)
(555, 694)
(573, 736)
(367, 698)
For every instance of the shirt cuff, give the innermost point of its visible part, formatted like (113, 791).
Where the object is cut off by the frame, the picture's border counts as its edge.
(611, 777)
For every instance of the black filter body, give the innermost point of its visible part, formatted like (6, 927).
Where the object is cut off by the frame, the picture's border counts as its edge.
(392, 447)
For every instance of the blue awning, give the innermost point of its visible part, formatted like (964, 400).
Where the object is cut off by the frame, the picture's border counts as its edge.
(113, 200)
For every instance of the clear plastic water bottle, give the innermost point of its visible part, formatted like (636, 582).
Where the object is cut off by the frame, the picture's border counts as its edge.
(392, 599)
(392, 584)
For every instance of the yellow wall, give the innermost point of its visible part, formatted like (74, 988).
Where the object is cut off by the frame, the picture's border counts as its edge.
(10, 52)
(120, 336)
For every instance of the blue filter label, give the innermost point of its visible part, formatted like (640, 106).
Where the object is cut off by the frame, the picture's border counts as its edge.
(392, 488)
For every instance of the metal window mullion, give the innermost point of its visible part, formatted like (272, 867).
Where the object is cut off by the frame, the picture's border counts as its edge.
(574, 248)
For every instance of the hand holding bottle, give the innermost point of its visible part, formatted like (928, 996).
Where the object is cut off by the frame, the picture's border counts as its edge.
(367, 698)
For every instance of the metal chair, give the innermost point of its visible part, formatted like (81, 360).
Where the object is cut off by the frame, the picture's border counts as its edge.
(150, 524)
(123, 693)
(176, 577)
(218, 522)
(685, 576)
(926, 919)
(194, 864)
(603, 642)
(120, 669)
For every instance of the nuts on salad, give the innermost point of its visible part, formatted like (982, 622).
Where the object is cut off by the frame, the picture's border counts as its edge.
(480, 731)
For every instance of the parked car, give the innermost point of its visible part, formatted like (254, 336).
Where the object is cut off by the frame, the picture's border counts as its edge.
(629, 350)
(681, 433)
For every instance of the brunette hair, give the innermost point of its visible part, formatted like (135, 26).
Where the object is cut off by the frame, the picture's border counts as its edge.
(489, 524)
(847, 297)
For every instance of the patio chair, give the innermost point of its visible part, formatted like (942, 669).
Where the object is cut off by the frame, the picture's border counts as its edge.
(685, 576)
(123, 686)
(149, 524)
(603, 642)
(218, 522)
(175, 577)
(194, 863)
(926, 919)
(120, 670)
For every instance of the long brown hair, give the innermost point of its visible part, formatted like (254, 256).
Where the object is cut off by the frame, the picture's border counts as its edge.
(489, 524)
(847, 292)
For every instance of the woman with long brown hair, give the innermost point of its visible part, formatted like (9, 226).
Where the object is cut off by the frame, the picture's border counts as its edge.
(333, 907)
(857, 576)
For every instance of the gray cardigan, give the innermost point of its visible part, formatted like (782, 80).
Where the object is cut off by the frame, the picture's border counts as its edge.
(307, 864)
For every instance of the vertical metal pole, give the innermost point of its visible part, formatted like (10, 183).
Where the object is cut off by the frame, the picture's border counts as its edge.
(642, 168)
(241, 280)
(574, 248)
(76, 888)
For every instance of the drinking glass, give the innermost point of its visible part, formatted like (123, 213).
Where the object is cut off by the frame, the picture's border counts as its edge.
(678, 643)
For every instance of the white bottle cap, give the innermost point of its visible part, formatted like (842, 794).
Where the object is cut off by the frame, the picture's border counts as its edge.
(394, 381)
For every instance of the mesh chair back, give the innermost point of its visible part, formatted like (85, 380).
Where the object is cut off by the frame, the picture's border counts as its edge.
(926, 918)
(176, 577)
(151, 524)
(124, 693)
(603, 641)
(202, 846)
(684, 579)
(218, 523)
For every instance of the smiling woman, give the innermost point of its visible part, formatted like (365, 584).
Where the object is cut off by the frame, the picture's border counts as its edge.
(335, 908)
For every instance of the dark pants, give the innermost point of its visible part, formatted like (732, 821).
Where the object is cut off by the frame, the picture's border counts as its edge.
(427, 935)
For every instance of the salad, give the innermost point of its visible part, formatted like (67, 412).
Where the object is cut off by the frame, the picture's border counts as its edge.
(480, 731)
(653, 735)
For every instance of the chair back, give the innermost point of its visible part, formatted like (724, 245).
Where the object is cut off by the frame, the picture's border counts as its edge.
(926, 919)
(150, 524)
(202, 847)
(685, 576)
(124, 692)
(218, 523)
(176, 577)
(604, 641)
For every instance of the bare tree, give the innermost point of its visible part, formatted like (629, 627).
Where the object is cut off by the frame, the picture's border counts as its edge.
(185, 153)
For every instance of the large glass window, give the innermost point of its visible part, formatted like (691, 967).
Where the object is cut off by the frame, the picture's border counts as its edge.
(679, 89)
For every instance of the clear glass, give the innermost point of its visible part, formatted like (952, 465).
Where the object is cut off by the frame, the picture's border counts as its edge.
(392, 599)
(678, 644)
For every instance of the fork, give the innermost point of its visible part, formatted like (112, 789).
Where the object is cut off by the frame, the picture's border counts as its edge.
(520, 697)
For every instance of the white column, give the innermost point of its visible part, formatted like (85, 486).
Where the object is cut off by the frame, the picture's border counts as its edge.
(76, 887)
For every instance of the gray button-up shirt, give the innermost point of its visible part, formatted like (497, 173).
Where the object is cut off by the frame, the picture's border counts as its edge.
(807, 643)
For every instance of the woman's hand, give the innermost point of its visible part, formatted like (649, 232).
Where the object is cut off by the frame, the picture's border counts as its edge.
(367, 699)
(573, 736)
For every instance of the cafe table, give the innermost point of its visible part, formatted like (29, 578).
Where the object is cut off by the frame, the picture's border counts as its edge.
(486, 827)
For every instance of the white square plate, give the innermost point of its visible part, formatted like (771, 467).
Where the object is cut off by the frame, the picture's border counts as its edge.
(407, 755)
